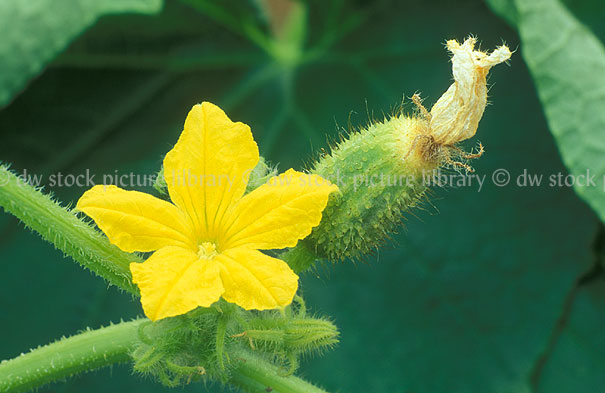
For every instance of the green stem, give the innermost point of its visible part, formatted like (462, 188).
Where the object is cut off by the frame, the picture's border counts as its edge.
(66, 231)
(256, 375)
(94, 349)
(69, 356)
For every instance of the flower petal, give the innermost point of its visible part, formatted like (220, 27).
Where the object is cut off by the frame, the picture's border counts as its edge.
(206, 171)
(174, 281)
(256, 281)
(135, 221)
(278, 213)
(455, 116)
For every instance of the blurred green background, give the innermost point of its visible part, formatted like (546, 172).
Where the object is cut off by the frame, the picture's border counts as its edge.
(493, 291)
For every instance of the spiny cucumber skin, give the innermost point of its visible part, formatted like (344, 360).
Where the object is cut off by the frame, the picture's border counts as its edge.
(360, 218)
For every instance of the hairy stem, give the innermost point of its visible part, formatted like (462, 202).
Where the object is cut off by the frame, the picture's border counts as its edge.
(66, 231)
(69, 356)
(256, 375)
(94, 349)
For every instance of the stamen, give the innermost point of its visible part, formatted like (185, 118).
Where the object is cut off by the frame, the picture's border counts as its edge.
(207, 250)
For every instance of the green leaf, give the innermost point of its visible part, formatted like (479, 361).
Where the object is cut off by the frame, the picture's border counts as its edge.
(567, 63)
(33, 32)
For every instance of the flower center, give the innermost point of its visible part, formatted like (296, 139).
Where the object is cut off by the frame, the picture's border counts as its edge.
(207, 250)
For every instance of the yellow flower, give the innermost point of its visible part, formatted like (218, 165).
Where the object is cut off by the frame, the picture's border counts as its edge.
(206, 243)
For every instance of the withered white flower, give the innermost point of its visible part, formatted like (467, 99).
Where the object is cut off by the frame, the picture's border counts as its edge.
(455, 116)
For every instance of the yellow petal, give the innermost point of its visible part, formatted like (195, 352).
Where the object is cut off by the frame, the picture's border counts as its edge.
(278, 213)
(256, 281)
(206, 171)
(174, 281)
(135, 221)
